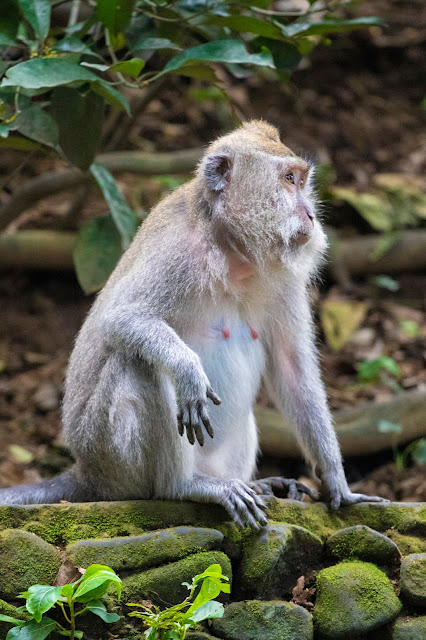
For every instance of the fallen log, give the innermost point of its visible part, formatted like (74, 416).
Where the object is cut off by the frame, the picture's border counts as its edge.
(409, 254)
(357, 427)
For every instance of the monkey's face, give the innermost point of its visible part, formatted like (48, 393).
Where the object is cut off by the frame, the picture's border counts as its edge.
(266, 202)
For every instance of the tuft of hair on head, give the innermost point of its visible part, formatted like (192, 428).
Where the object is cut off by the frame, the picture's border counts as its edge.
(262, 128)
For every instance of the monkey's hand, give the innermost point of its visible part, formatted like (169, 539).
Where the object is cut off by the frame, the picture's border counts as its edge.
(283, 488)
(192, 390)
(336, 492)
(244, 505)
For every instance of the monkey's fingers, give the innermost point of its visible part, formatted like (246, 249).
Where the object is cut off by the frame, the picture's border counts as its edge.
(180, 425)
(206, 420)
(195, 423)
(213, 396)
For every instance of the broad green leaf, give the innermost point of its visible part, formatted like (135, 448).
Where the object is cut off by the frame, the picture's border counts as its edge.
(369, 370)
(246, 24)
(154, 43)
(74, 45)
(5, 41)
(99, 609)
(32, 630)
(21, 144)
(151, 633)
(172, 635)
(213, 571)
(340, 319)
(115, 15)
(212, 609)
(46, 72)
(307, 28)
(95, 583)
(79, 119)
(41, 598)
(199, 71)
(227, 51)
(372, 208)
(111, 95)
(120, 211)
(96, 253)
(38, 125)
(37, 14)
(4, 618)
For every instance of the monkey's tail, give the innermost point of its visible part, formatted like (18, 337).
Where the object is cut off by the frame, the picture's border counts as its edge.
(63, 487)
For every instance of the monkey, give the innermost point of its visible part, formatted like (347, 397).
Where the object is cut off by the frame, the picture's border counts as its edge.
(211, 297)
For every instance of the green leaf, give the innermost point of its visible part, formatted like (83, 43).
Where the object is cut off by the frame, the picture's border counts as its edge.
(247, 24)
(95, 583)
(120, 211)
(4, 618)
(285, 54)
(200, 72)
(37, 14)
(79, 118)
(373, 209)
(212, 609)
(308, 28)
(369, 370)
(41, 598)
(99, 609)
(418, 452)
(386, 282)
(115, 15)
(111, 95)
(154, 43)
(172, 635)
(38, 125)
(132, 67)
(74, 45)
(227, 51)
(32, 630)
(67, 591)
(386, 426)
(9, 21)
(46, 72)
(151, 634)
(97, 251)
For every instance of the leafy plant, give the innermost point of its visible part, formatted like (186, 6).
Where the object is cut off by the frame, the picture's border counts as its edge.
(72, 599)
(377, 369)
(174, 622)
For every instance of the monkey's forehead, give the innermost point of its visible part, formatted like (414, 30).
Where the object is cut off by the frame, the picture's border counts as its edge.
(256, 135)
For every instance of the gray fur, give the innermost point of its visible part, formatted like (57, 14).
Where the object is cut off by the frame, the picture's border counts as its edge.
(216, 257)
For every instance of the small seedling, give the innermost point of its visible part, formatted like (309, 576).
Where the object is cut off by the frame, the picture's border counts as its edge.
(378, 370)
(73, 600)
(174, 622)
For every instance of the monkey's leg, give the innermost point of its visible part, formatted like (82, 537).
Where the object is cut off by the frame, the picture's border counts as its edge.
(66, 486)
(283, 488)
(240, 501)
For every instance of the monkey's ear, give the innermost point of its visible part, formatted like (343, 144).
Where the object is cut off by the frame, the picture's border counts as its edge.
(217, 171)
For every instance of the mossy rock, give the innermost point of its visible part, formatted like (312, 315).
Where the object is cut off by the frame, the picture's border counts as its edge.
(353, 598)
(363, 543)
(163, 585)
(407, 544)
(409, 629)
(25, 559)
(145, 551)
(273, 620)
(7, 609)
(413, 579)
(274, 558)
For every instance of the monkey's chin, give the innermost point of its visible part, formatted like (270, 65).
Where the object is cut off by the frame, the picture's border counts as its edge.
(301, 238)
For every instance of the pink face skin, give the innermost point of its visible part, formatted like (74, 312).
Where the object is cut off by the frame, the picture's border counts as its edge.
(294, 181)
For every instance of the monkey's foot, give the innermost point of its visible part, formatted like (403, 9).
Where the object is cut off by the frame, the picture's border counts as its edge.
(244, 505)
(337, 500)
(283, 487)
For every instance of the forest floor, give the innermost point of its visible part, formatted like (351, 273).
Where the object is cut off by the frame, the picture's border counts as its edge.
(358, 106)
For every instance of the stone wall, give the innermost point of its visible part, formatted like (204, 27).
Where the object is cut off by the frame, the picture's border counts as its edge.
(363, 567)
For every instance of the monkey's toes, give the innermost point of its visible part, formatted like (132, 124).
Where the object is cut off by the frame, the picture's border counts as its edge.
(284, 487)
(245, 507)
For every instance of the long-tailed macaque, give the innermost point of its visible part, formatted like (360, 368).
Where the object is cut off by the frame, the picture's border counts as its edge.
(210, 297)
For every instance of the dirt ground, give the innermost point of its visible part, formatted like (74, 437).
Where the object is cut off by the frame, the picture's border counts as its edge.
(357, 105)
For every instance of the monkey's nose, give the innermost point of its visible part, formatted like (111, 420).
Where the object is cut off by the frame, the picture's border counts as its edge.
(305, 214)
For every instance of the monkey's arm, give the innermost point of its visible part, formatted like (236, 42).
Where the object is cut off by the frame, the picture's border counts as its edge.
(139, 333)
(294, 381)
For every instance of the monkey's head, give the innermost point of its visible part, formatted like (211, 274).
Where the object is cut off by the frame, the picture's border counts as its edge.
(260, 195)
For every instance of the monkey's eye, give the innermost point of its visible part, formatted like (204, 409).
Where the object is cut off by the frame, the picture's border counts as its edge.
(290, 178)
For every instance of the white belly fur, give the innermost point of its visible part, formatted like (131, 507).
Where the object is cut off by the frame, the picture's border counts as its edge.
(234, 367)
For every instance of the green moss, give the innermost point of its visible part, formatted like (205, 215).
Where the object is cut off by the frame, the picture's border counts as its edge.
(9, 610)
(25, 559)
(353, 597)
(407, 544)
